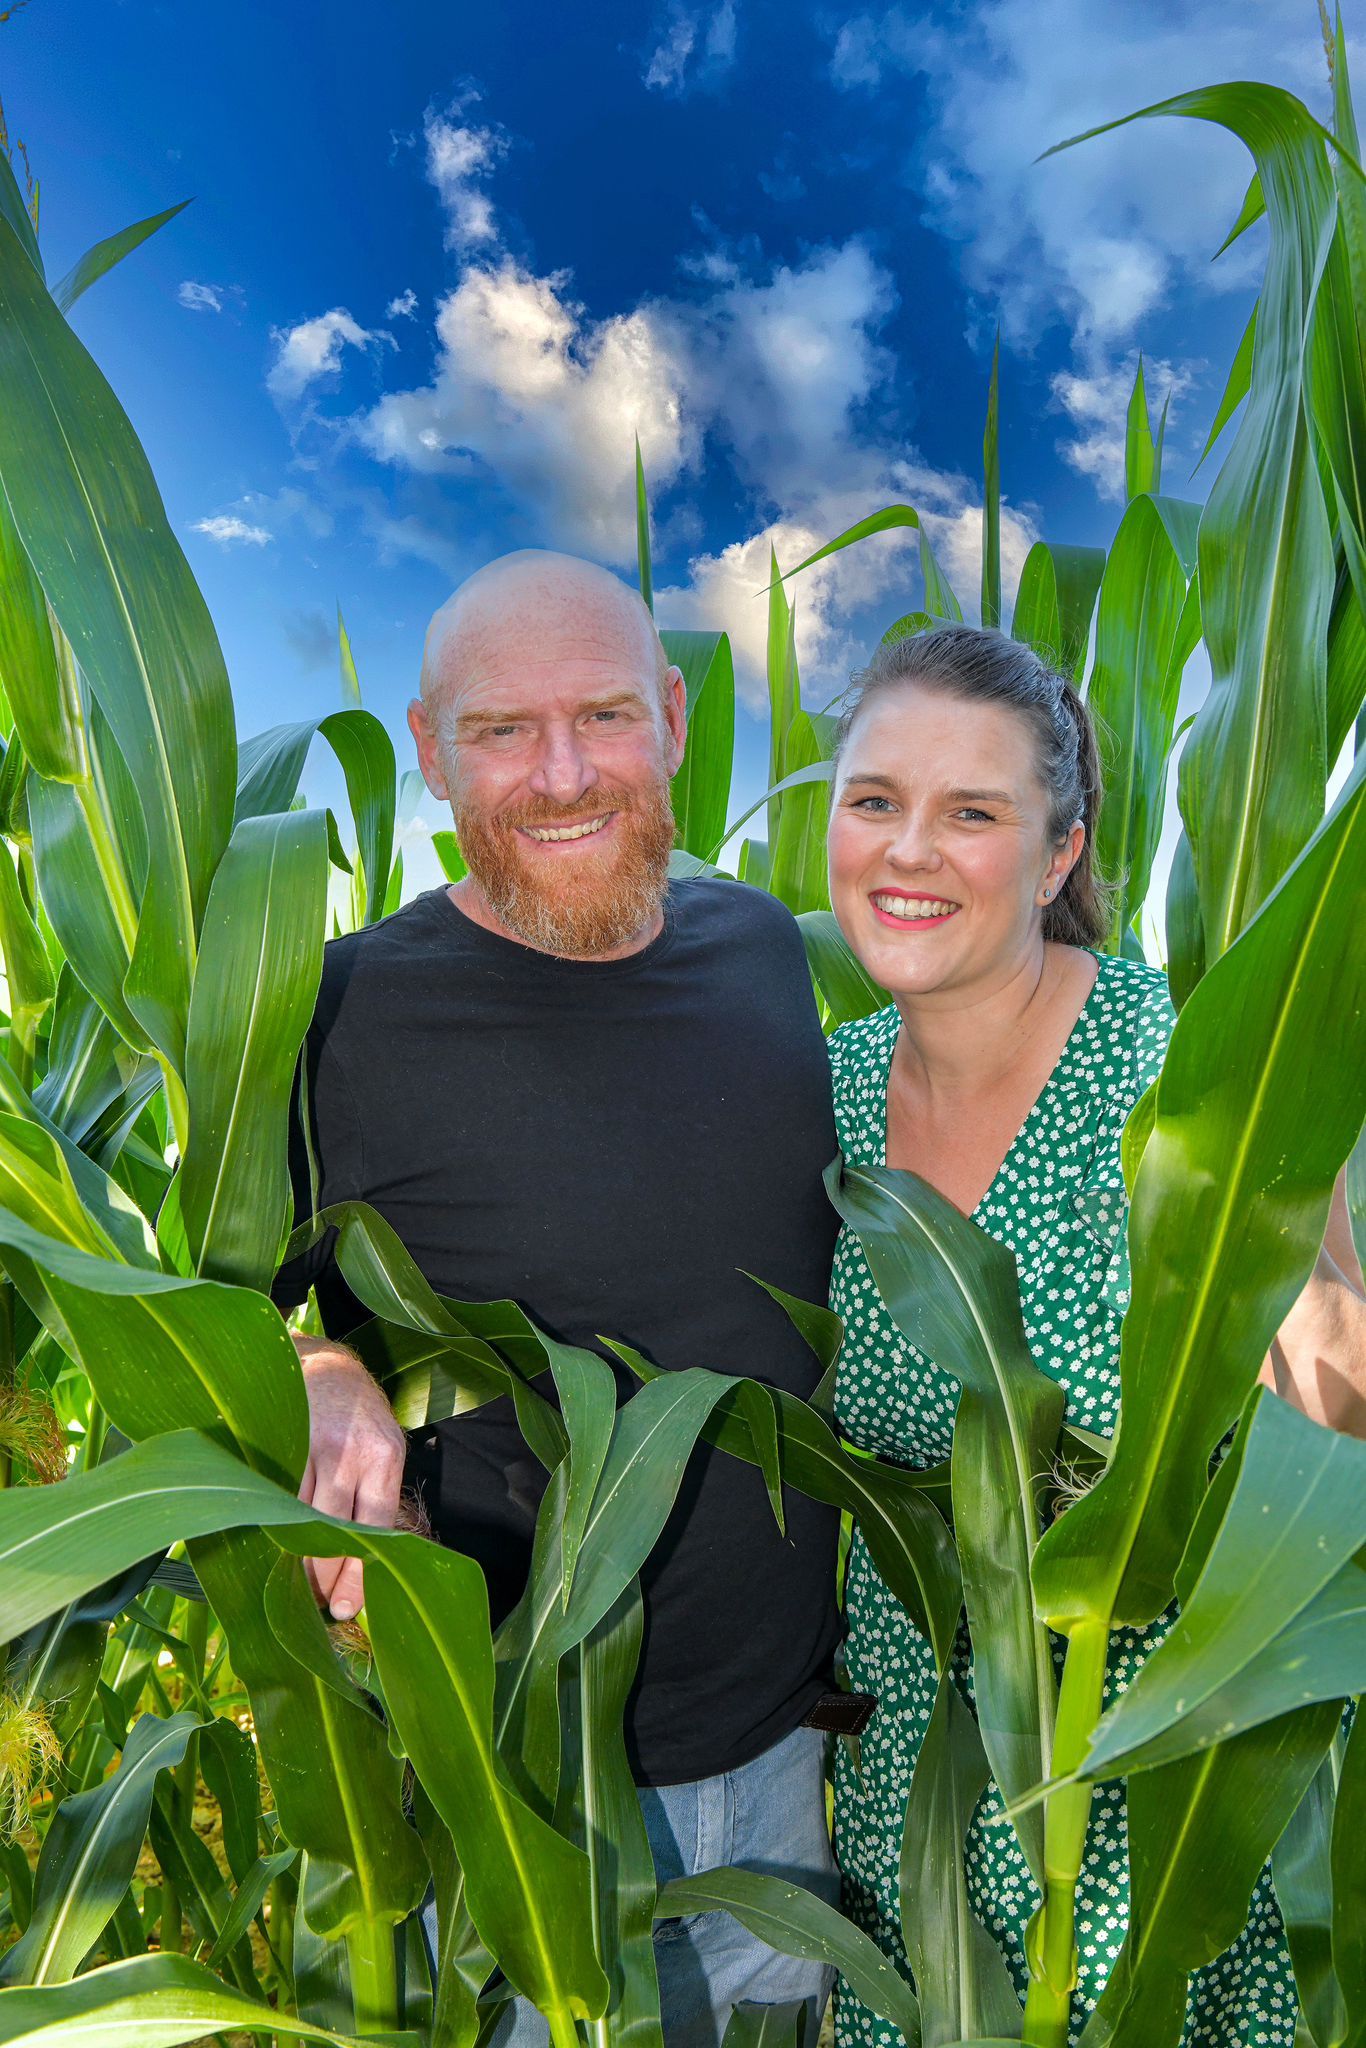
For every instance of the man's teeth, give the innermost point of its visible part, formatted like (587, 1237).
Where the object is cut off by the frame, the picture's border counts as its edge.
(547, 833)
(912, 907)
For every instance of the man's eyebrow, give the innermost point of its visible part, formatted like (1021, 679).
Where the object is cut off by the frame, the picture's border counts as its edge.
(608, 701)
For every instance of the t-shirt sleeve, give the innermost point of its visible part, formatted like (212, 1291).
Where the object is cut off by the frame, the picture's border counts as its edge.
(323, 1095)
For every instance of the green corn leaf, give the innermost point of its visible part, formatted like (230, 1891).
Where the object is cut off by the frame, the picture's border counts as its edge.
(940, 601)
(643, 566)
(90, 1853)
(800, 778)
(907, 1538)
(366, 754)
(260, 963)
(701, 788)
(1146, 628)
(1140, 454)
(14, 211)
(1238, 385)
(41, 690)
(608, 1823)
(1349, 1885)
(906, 628)
(588, 1402)
(953, 1291)
(227, 1763)
(29, 979)
(88, 1066)
(797, 1923)
(249, 1899)
(964, 1985)
(350, 681)
(797, 875)
(104, 255)
(844, 985)
(427, 1611)
(1056, 598)
(1229, 1208)
(1200, 1832)
(152, 2001)
(1250, 212)
(162, 1352)
(1277, 1617)
(766, 2026)
(1185, 935)
(1301, 1865)
(92, 524)
(95, 928)
(447, 850)
(885, 521)
(1253, 770)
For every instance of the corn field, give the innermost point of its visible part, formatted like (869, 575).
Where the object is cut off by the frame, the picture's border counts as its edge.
(219, 1816)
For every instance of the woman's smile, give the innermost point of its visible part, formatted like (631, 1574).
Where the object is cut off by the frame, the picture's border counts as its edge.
(903, 911)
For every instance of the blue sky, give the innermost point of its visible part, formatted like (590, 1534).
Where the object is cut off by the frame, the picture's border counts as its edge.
(443, 263)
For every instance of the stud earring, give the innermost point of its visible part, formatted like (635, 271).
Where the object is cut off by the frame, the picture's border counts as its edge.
(1046, 894)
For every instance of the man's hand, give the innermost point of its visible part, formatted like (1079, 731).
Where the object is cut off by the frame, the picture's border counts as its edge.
(355, 1461)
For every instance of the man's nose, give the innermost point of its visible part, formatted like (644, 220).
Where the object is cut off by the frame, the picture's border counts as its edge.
(563, 771)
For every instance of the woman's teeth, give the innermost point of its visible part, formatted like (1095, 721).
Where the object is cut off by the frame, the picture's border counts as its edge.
(549, 833)
(912, 908)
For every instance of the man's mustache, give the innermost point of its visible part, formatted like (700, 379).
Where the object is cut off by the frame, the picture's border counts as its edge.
(592, 804)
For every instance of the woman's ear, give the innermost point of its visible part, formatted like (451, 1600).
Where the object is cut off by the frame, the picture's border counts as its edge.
(1061, 865)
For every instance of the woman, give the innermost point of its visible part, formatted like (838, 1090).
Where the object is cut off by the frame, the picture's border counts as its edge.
(962, 823)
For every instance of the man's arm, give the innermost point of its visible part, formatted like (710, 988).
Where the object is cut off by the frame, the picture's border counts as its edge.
(355, 1461)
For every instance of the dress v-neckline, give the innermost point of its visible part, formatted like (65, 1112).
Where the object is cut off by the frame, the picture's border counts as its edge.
(1081, 1026)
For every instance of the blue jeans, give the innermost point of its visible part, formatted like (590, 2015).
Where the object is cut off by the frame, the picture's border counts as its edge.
(767, 1816)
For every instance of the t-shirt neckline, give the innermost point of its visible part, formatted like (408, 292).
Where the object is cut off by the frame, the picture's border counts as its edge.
(531, 960)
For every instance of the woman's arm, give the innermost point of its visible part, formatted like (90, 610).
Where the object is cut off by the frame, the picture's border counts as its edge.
(1318, 1361)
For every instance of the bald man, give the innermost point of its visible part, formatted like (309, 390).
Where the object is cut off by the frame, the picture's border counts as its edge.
(569, 1082)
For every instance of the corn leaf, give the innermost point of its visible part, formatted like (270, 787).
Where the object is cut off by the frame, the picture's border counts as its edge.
(89, 1855)
(953, 1291)
(1349, 1881)
(91, 521)
(1147, 625)
(964, 1986)
(797, 1923)
(991, 496)
(152, 2001)
(940, 601)
(1140, 452)
(701, 788)
(1302, 1866)
(1054, 603)
(1200, 1832)
(643, 565)
(260, 962)
(41, 691)
(1229, 1208)
(104, 255)
(1238, 385)
(845, 987)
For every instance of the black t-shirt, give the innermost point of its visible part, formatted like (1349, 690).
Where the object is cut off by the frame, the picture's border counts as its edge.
(614, 1146)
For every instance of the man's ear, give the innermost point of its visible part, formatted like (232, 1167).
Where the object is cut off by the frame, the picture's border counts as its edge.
(675, 718)
(428, 751)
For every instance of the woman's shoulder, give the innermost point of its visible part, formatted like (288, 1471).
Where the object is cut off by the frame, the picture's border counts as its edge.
(1136, 1016)
(861, 1046)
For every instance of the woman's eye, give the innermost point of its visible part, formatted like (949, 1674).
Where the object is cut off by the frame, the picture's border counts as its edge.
(875, 803)
(982, 817)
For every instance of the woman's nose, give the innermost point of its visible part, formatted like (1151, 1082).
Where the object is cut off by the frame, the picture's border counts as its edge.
(914, 846)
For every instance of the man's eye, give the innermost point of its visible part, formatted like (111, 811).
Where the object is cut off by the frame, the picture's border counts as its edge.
(502, 732)
(602, 717)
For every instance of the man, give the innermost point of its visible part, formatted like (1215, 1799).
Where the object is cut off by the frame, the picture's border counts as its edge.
(568, 1082)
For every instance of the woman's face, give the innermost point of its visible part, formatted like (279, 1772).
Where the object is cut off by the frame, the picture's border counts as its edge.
(938, 847)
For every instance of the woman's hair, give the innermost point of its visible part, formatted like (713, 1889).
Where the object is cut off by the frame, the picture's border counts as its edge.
(984, 667)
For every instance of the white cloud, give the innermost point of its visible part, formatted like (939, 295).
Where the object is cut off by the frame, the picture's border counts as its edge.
(200, 298)
(1097, 404)
(1103, 232)
(846, 602)
(230, 531)
(313, 349)
(403, 307)
(693, 48)
(546, 399)
(459, 158)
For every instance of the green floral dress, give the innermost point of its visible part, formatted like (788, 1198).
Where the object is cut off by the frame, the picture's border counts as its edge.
(1058, 1202)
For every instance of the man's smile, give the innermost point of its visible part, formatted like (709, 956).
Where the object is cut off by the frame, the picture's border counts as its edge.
(556, 835)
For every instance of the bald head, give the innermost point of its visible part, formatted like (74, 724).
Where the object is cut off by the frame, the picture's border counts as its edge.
(535, 607)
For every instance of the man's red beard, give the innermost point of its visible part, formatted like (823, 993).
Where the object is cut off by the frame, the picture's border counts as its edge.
(590, 902)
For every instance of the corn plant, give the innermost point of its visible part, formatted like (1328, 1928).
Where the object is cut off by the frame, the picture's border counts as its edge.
(163, 905)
